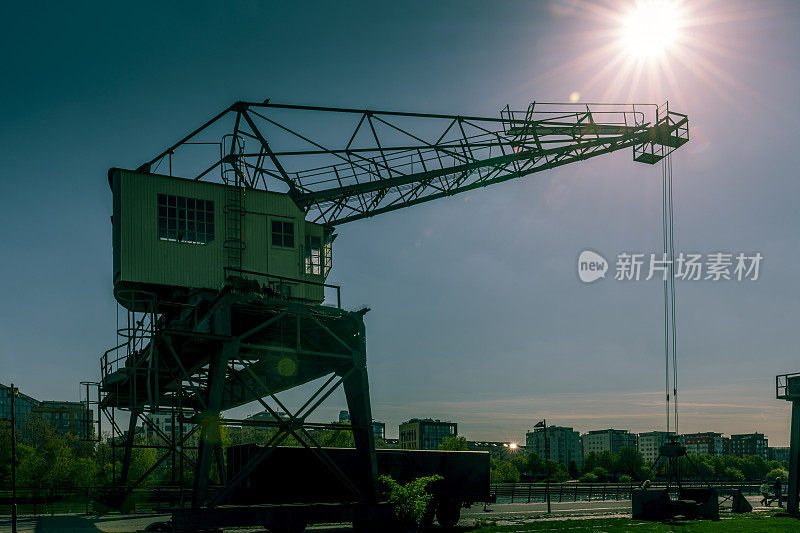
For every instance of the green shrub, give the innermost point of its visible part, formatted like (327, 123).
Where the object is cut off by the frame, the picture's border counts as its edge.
(410, 501)
(734, 474)
(777, 473)
(504, 472)
(625, 478)
(601, 473)
(589, 477)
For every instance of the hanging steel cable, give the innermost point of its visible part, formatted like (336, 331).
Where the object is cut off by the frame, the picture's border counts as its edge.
(670, 332)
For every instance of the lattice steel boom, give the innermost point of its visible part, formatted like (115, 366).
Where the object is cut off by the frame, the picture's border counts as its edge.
(341, 165)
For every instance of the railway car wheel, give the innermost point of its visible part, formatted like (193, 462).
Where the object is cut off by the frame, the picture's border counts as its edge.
(448, 513)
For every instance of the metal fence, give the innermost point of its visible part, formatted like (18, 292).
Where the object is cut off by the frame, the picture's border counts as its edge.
(572, 492)
(90, 500)
(33, 501)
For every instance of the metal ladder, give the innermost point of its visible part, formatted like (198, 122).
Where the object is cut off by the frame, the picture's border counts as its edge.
(234, 203)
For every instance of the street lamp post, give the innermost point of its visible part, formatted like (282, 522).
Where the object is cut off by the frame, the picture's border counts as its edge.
(546, 466)
(543, 425)
(13, 462)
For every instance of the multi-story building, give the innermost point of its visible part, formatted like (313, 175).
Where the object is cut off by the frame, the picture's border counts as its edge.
(379, 429)
(562, 444)
(425, 434)
(749, 444)
(707, 443)
(267, 416)
(612, 440)
(22, 406)
(66, 417)
(650, 442)
(778, 453)
(163, 421)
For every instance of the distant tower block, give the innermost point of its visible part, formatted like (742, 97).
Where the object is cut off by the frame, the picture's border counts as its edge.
(787, 387)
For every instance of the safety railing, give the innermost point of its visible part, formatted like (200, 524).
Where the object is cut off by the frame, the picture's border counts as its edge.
(39, 501)
(273, 281)
(575, 491)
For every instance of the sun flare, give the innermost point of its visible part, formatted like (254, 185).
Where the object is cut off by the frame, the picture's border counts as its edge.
(650, 28)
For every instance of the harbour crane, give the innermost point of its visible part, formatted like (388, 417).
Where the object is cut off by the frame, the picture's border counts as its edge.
(223, 242)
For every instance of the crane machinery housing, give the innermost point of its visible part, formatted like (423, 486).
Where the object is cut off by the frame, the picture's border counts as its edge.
(223, 243)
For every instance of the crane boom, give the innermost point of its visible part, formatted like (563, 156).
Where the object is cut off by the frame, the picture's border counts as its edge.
(340, 165)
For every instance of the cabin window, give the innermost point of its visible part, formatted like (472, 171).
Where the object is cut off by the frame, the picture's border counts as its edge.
(327, 255)
(182, 219)
(313, 255)
(317, 255)
(283, 233)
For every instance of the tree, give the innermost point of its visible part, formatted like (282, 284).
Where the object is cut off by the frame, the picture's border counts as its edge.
(607, 461)
(520, 462)
(629, 461)
(535, 464)
(705, 470)
(734, 474)
(337, 438)
(142, 459)
(772, 475)
(573, 469)
(600, 473)
(503, 472)
(558, 472)
(457, 444)
(590, 462)
(754, 467)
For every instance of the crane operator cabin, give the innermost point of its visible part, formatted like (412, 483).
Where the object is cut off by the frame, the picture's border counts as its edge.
(170, 233)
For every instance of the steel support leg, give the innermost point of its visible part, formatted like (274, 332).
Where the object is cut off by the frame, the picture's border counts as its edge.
(356, 389)
(794, 461)
(218, 453)
(126, 458)
(209, 422)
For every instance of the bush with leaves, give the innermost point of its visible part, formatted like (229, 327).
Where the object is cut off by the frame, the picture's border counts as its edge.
(458, 444)
(772, 475)
(503, 472)
(733, 474)
(410, 501)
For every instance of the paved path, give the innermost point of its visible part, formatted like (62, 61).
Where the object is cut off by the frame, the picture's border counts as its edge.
(501, 513)
(516, 513)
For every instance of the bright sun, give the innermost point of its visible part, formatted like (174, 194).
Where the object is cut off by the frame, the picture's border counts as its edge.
(650, 28)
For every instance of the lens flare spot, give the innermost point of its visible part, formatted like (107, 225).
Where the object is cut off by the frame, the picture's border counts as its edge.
(287, 367)
(574, 96)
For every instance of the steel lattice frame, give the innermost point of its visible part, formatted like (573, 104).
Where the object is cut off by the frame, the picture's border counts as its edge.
(341, 165)
(196, 364)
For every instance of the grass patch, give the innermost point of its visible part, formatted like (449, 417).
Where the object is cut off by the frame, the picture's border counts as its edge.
(751, 523)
